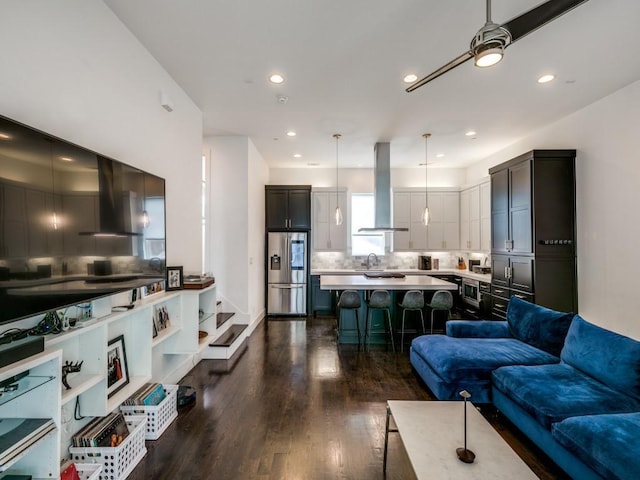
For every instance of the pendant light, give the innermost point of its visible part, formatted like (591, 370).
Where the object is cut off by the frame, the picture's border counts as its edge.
(425, 213)
(338, 213)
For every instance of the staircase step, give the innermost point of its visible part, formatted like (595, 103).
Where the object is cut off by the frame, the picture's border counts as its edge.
(222, 317)
(227, 365)
(227, 339)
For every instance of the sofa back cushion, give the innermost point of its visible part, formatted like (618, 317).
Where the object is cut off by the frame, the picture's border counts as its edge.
(538, 326)
(609, 357)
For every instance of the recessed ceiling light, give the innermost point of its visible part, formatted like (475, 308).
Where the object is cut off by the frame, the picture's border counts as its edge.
(440, 155)
(470, 133)
(546, 78)
(410, 78)
(297, 155)
(4, 136)
(276, 78)
(66, 159)
(291, 133)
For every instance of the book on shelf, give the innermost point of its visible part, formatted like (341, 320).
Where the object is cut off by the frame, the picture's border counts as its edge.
(109, 431)
(18, 434)
(150, 394)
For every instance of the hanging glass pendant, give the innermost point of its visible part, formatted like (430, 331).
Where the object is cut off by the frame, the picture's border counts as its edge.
(145, 219)
(425, 216)
(338, 216)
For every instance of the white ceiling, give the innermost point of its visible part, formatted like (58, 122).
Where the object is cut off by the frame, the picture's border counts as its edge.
(344, 61)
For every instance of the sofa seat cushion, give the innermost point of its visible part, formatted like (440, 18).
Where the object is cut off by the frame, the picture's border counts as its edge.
(607, 443)
(551, 393)
(457, 359)
(539, 326)
(607, 356)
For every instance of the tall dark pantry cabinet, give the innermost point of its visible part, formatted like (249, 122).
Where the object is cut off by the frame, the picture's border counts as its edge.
(533, 231)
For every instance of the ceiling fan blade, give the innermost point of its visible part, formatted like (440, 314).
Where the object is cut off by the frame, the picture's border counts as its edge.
(444, 69)
(537, 17)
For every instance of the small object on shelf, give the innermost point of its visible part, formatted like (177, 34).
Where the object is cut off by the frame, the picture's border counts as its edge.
(122, 308)
(198, 281)
(120, 460)
(19, 434)
(68, 368)
(117, 370)
(17, 350)
(174, 278)
(202, 334)
(159, 416)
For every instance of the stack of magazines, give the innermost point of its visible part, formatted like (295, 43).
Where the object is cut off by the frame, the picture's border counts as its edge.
(150, 394)
(18, 434)
(109, 431)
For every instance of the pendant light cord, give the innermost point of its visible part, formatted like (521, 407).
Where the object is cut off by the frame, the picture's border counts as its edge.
(338, 221)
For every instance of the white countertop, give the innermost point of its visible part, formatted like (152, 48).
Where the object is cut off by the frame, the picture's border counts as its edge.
(360, 282)
(486, 277)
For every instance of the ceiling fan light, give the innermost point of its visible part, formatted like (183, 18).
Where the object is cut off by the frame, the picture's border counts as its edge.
(488, 57)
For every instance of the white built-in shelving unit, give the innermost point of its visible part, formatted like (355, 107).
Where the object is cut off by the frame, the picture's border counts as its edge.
(165, 358)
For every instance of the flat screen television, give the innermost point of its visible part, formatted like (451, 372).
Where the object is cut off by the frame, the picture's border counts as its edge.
(74, 225)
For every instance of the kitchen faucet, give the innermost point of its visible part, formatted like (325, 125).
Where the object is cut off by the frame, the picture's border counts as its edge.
(369, 260)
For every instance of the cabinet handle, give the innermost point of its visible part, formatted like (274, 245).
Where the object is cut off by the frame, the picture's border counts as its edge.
(510, 272)
(499, 291)
(500, 305)
(444, 244)
(410, 244)
(519, 296)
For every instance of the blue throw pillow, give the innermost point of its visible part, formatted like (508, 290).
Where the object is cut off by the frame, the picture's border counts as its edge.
(609, 357)
(538, 326)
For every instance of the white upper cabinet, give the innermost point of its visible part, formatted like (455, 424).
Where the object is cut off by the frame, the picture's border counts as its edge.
(407, 213)
(470, 219)
(327, 236)
(475, 218)
(443, 232)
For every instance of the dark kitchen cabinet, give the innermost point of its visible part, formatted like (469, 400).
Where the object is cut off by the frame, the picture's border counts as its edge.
(288, 207)
(533, 230)
(322, 301)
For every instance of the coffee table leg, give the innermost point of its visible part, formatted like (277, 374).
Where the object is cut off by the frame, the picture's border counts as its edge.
(386, 441)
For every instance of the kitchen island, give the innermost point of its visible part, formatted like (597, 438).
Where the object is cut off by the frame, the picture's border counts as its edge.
(385, 280)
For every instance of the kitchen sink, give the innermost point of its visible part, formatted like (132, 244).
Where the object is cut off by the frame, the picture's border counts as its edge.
(382, 274)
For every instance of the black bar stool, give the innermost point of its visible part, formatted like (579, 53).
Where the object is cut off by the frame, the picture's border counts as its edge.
(378, 300)
(349, 300)
(413, 300)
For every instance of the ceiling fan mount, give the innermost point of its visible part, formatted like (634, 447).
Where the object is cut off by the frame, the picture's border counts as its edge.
(488, 45)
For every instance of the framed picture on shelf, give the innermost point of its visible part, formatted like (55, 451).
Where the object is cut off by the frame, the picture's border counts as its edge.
(152, 288)
(117, 372)
(161, 319)
(175, 278)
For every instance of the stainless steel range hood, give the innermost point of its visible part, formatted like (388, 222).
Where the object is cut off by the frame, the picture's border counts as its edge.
(382, 191)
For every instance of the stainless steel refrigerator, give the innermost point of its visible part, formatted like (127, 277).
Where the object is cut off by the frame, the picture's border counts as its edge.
(287, 273)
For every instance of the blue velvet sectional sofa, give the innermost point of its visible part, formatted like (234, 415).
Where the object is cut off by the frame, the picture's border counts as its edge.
(465, 357)
(584, 412)
(573, 388)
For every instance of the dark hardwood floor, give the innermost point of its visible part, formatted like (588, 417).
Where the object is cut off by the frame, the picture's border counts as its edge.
(294, 405)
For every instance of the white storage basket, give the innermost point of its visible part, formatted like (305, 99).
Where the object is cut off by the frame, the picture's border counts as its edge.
(88, 471)
(160, 416)
(117, 462)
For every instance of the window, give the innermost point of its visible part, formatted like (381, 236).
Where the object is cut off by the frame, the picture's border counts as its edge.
(363, 215)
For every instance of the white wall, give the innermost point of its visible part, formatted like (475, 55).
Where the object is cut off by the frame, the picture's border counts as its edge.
(239, 174)
(360, 180)
(71, 68)
(257, 179)
(608, 195)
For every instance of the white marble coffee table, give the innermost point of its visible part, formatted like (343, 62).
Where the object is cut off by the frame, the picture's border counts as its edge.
(431, 432)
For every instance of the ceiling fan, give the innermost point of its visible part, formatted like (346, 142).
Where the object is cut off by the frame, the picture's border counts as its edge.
(487, 46)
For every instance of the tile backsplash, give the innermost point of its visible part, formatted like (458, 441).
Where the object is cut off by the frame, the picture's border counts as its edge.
(399, 260)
